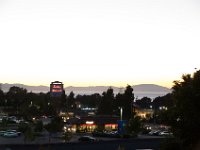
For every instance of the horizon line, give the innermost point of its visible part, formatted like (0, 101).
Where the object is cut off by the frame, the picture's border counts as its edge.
(92, 85)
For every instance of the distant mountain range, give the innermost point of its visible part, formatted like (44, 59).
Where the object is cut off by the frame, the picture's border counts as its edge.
(141, 90)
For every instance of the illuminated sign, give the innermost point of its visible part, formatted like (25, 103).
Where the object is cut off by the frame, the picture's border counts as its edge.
(56, 89)
(122, 126)
(57, 86)
(89, 122)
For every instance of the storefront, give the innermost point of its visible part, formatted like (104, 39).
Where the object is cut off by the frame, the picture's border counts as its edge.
(111, 127)
(92, 123)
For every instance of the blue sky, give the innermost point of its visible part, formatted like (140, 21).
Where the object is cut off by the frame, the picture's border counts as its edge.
(98, 42)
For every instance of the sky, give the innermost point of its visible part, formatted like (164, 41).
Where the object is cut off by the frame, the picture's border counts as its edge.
(98, 42)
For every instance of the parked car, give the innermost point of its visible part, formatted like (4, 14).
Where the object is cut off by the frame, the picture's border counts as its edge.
(18, 133)
(10, 134)
(87, 139)
(155, 133)
(165, 133)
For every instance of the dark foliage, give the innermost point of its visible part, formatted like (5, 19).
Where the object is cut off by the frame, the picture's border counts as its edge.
(184, 115)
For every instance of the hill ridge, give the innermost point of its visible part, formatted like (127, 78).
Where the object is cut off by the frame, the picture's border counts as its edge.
(140, 90)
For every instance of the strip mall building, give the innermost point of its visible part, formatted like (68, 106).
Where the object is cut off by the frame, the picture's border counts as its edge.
(91, 123)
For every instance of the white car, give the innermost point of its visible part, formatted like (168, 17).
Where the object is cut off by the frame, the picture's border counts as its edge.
(10, 134)
(19, 133)
(165, 133)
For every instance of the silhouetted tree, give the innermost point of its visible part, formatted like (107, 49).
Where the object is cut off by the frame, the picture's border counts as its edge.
(166, 100)
(89, 100)
(2, 98)
(63, 101)
(134, 125)
(56, 125)
(118, 102)
(144, 103)
(185, 114)
(71, 101)
(49, 109)
(16, 96)
(125, 100)
(106, 104)
(127, 105)
(162, 109)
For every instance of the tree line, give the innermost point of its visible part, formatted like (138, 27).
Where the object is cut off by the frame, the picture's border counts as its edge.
(18, 101)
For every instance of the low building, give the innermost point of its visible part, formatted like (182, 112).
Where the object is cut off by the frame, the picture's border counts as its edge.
(91, 123)
(143, 113)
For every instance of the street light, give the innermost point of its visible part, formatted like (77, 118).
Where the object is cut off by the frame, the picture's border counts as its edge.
(121, 112)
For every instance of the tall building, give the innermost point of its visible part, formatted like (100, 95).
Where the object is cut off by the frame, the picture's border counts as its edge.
(56, 89)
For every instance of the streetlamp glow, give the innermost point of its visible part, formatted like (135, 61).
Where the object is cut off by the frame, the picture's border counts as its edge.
(121, 112)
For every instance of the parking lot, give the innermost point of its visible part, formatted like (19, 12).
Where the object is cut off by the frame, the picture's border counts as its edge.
(45, 139)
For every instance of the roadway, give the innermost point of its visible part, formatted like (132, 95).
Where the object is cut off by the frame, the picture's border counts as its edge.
(142, 142)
